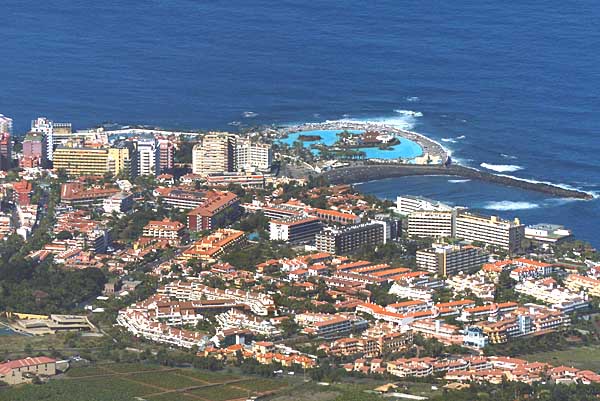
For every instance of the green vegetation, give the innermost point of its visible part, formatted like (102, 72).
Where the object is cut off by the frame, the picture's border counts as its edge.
(254, 254)
(29, 286)
(512, 391)
(114, 382)
(544, 343)
(581, 357)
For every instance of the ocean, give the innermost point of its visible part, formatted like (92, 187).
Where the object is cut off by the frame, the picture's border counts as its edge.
(510, 87)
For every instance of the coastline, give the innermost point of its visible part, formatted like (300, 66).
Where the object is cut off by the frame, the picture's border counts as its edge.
(372, 171)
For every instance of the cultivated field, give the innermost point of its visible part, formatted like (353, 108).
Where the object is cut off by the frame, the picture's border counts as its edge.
(581, 358)
(136, 382)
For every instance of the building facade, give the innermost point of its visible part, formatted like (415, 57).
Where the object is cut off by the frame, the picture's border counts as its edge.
(215, 154)
(45, 127)
(490, 230)
(447, 260)
(148, 156)
(6, 124)
(297, 229)
(349, 239)
(436, 224)
(82, 160)
(34, 150)
(252, 156)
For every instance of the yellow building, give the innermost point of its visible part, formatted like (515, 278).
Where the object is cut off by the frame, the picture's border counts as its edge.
(120, 160)
(81, 160)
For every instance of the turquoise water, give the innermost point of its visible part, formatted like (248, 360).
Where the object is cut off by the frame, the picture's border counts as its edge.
(406, 149)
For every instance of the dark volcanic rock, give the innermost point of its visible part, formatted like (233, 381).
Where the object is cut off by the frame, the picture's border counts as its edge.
(367, 172)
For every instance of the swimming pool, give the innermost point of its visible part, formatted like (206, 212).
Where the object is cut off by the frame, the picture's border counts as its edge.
(406, 149)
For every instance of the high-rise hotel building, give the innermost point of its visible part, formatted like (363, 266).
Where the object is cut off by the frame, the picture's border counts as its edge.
(252, 156)
(45, 127)
(148, 156)
(447, 260)
(431, 223)
(81, 160)
(491, 230)
(6, 124)
(215, 154)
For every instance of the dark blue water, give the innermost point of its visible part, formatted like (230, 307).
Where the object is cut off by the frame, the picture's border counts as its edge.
(517, 82)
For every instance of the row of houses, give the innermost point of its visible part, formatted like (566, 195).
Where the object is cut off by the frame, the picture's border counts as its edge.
(493, 369)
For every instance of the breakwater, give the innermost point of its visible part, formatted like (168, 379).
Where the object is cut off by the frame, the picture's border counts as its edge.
(368, 172)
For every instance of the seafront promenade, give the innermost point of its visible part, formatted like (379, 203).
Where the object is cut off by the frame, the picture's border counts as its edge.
(371, 171)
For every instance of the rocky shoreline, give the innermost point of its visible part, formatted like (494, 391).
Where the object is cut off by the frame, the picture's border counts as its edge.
(368, 172)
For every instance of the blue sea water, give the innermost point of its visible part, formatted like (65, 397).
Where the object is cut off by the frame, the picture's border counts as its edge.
(514, 86)
(406, 149)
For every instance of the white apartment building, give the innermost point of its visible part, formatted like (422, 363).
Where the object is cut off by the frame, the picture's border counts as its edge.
(412, 292)
(295, 229)
(437, 224)
(548, 292)
(252, 156)
(478, 284)
(193, 290)
(148, 156)
(547, 233)
(46, 127)
(121, 202)
(491, 230)
(6, 124)
(215, 154)
(407, 204)
(233, 319)
(447, 260)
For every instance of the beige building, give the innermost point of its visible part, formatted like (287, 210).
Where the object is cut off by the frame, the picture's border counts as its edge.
(430, 223)
(215, 154)
(446, 260)
(490, 230)
(24, 370)
(38, 325)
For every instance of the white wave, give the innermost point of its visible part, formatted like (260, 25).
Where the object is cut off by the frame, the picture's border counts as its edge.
(510, 205)
(454, 140)
(501, 168)
(457, 181)
(412, 99)
(249, 114)
(508, 156)
(345, 115)
(401, 122)
(409, 113)
(235, 123)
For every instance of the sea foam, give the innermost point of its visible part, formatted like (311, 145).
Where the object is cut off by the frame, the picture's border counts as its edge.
(510, 205)
(453, 140)
(409, 113)
(501, 168)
